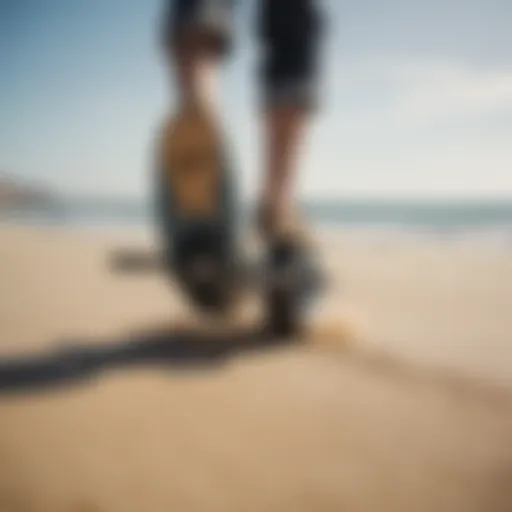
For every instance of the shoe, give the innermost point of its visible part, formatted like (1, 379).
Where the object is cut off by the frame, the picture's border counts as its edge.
(293, 275)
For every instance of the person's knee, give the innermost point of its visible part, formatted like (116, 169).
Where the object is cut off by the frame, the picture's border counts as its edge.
(203, 25)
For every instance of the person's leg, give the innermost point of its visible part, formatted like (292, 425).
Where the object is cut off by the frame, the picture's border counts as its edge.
(197, 34)
(290, 35)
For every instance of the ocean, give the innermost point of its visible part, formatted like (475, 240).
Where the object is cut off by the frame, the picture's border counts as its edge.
(434, 217)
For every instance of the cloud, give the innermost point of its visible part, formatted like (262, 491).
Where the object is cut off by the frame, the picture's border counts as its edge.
(426, 89)
(413, 128)
(459, 92)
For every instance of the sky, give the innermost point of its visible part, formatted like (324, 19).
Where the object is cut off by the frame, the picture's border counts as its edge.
(416, 98)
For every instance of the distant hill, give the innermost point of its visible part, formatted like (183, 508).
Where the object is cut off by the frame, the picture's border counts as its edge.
(14, 193)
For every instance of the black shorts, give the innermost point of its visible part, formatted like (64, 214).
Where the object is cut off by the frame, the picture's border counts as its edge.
(289, 32)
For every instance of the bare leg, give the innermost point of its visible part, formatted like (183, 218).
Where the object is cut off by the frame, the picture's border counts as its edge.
(284, 127)
(196, 69)
(289, 33)
(197, 34)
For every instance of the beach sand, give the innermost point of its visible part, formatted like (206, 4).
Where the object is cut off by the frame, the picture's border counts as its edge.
(399, 400)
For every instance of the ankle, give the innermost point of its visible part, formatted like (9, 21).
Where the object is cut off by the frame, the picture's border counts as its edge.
(278, 221)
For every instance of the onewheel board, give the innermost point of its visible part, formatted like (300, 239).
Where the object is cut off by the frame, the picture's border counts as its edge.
(196, 209)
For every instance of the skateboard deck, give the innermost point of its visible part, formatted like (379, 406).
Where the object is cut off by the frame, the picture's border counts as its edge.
(195, 208)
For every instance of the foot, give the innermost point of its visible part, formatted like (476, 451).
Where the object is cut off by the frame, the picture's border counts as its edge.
(293, 273)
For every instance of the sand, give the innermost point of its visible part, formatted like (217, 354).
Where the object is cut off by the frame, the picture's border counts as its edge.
(399, 400)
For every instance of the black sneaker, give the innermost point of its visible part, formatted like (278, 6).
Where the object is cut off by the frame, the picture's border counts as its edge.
(293, 281)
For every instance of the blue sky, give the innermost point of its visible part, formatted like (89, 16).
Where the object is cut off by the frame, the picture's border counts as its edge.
(417, 98)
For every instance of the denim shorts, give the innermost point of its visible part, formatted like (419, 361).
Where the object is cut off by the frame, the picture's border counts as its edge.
(289, 33)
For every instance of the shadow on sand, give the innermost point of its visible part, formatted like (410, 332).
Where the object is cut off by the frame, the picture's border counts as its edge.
(167, 347)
